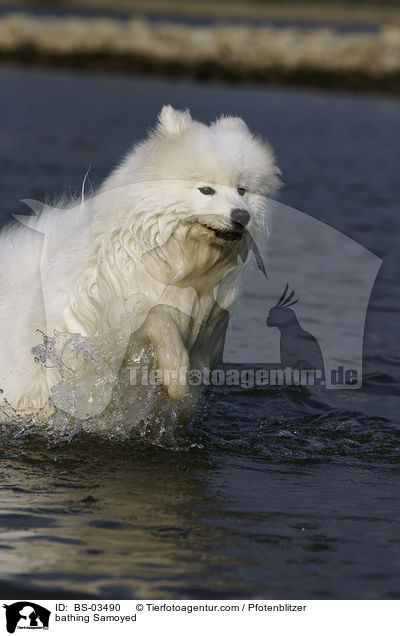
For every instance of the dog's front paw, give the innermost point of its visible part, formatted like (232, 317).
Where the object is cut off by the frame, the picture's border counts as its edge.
(175, 381)
(171, 356)
(177, 392)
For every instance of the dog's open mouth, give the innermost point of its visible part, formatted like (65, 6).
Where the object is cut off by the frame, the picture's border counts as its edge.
(226, 234)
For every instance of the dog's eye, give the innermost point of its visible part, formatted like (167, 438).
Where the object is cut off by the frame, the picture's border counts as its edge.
(207, 190)
(241, 191)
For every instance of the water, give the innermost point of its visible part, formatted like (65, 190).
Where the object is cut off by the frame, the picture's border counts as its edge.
(194, 20)
(272, 492)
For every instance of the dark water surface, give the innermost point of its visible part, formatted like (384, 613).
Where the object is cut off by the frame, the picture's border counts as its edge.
(274, 492)
(196, 21)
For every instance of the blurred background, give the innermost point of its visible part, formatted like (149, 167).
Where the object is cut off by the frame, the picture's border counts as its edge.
(352, 45)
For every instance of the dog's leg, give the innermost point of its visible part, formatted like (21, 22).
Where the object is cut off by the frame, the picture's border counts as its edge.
(172, 358)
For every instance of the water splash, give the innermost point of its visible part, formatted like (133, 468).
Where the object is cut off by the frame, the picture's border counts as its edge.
(95, 394)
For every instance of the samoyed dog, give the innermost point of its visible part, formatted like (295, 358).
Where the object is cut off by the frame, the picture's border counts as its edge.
(149, 266)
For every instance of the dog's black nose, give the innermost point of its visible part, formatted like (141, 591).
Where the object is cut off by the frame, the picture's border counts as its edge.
(240, 216)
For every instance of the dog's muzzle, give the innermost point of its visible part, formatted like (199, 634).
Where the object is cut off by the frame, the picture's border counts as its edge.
(231, 233)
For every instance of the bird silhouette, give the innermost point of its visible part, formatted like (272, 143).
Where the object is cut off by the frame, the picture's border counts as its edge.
(299, 349)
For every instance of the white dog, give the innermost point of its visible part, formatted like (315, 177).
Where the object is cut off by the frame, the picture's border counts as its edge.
(136, 266)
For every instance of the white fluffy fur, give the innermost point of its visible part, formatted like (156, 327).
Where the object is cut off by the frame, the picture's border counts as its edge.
(138, 248)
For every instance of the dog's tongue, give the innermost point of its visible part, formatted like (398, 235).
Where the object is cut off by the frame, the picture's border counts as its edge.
(259, 260)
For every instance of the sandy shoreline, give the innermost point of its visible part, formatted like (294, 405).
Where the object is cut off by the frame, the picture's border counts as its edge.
(318, 56)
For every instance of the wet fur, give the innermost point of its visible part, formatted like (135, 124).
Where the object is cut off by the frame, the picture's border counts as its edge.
(141, 246)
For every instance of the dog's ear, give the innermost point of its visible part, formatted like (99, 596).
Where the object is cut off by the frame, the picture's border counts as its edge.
(231, 122)
(173, 122)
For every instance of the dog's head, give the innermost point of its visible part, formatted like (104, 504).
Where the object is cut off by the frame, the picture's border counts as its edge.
(214, 177)
(193, 195)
